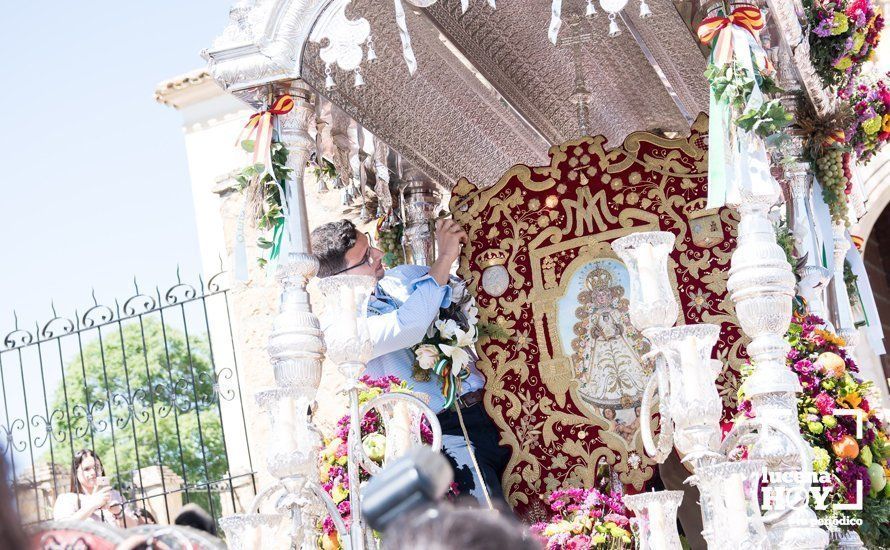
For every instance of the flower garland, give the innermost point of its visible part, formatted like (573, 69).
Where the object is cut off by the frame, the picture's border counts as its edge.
(739, 73)
(264, 190)
(335, 455)
(828, 378)
(446, 349)
(585, 518)
(870, 129)
(843, 36)
(264, 179)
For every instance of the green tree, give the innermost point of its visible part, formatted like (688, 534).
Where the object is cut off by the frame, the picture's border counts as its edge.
(145, 399)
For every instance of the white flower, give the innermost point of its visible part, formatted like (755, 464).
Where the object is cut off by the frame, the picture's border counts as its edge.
(427, 355)
(465, 338)
(447, 328)
(459, 357)
(471, 312)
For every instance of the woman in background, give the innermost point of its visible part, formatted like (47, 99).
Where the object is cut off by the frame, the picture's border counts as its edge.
(91, 495)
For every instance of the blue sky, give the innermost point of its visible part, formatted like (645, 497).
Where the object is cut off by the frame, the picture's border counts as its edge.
(95, 187)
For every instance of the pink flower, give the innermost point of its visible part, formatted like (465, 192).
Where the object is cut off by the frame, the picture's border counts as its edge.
(617, 519)
(825, 403)
(578, 542)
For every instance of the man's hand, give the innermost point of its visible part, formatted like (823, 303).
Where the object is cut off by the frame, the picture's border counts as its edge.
(450, 237)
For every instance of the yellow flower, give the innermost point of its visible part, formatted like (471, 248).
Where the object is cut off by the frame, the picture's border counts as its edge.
(872, 126)
(563, 526)
(330, 541)
(843, 63)
(832, 338)
(851, 400)
(339, 493)
(858, 40)
(368, 394)
(886, 125)
(841, 24)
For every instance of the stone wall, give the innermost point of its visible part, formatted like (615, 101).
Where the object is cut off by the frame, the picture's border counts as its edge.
(255, 303)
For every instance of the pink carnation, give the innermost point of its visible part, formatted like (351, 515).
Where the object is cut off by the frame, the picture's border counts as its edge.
(825, 403)
(578, 542)
(617, 519)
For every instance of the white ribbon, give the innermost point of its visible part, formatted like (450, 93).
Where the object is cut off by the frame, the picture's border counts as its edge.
(239, 253)
(750, 171)
(407, 51)
(464, 5)
(555, 20)
(873, 328)
(823, 225)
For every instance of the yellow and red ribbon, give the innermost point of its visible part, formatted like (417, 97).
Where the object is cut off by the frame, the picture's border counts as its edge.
(735, 41)
(720, 27)
(837, 137)
(259, 128)
(746, 17)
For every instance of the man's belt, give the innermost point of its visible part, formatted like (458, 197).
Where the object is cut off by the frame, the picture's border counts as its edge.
(469, 399)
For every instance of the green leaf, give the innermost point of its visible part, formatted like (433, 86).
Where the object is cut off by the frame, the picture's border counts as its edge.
(493, 331)
(247, 145)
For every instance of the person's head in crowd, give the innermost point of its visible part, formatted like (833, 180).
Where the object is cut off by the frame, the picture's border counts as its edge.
(86, 469)
(196, 517)
(142, 542)
(343, 249)
(11, 534)
(448, 528)
(145, 517)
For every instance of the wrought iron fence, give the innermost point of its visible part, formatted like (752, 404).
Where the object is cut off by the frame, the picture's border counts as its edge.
(151, 385)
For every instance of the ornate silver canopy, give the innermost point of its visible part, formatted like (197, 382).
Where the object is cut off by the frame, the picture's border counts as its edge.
(490, 89)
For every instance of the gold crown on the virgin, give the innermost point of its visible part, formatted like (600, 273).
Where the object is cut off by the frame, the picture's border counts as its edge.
(492, 257)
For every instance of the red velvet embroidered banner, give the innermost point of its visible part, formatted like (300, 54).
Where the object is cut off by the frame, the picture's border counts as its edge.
(565, 389)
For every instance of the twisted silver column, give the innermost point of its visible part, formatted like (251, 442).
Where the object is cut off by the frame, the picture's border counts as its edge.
(813, 277)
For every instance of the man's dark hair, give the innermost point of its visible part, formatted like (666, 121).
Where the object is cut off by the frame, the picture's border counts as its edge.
(194, 516)
(330, 242)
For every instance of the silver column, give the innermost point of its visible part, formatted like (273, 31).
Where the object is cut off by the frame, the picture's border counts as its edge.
(761, 285)
(419, 202)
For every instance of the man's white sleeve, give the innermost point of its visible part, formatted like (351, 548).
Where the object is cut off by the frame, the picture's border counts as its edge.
(406, 326)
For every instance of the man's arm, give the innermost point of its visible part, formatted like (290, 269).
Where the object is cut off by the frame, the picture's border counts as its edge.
(449, 239)
(406, 326)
